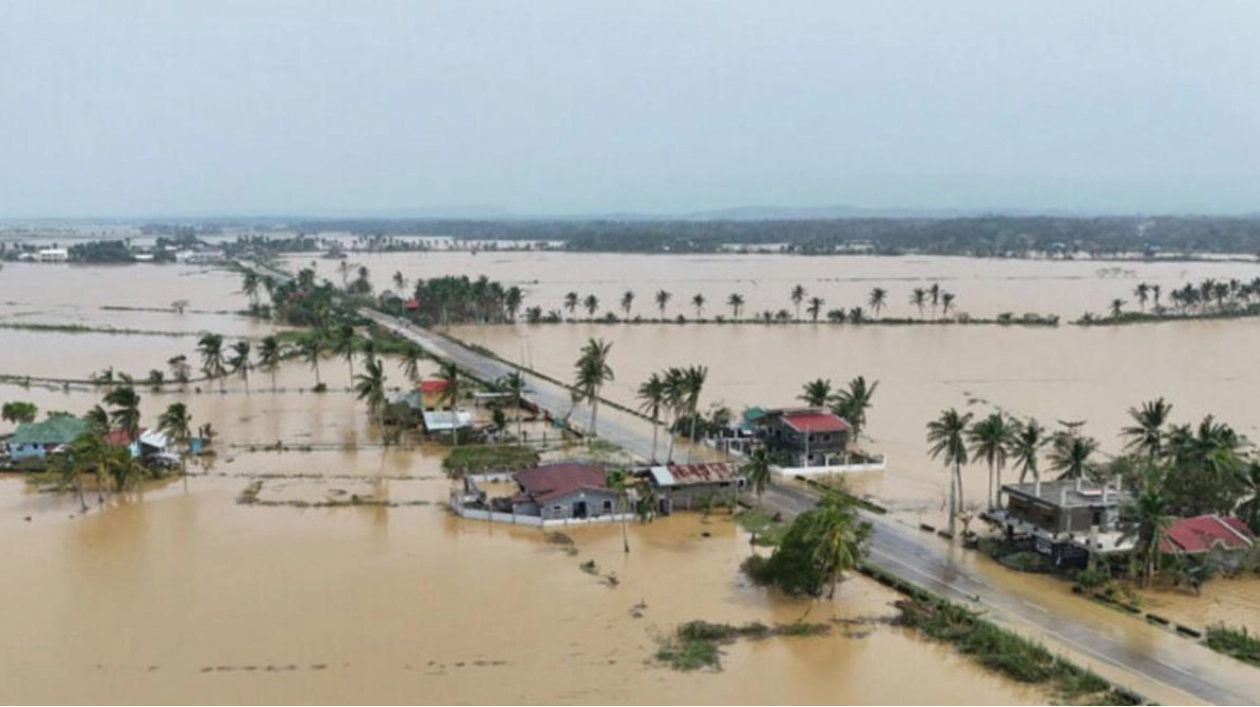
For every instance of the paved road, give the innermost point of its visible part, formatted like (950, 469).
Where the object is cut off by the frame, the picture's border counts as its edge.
(1146, 658)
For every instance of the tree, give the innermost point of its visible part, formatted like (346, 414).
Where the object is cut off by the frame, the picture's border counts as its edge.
(1249, 510)
(945, 435)
(239, 362)
(70, 464)
(176, 424)
(841, 538)
(591, 303)
(1142, 293)
(675, 397)
(1070, 454)
(514, 383)
(592, 372)
(621, 481)
(18, 411)
(1206, 468)
(758, 471)
(662, 300)
(179, 368)
(97, 420)
(736, 303)
(698, 303)
(1145, 521)
(1028, 441)
(369, 387)
(411, 356)
(1147, 434)
(918, 297)
(990, 440)
(125, 410)
(627, 302)
(1117, 308)
(452, 392)
(343, 345)
(269, 356)
(512, 301)
(853, 403)
(310, 347)
(879, 297)
(571, 302)
(797, 296)
(934, 293)
(210, 346)
(250, 286)
(818, 548)
(816, 393)
(400, 282)
(947, 303)
(693, 380)
(815, 308)
(652, 399)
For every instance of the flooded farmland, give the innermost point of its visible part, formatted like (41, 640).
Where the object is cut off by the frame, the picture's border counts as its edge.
(181, 594)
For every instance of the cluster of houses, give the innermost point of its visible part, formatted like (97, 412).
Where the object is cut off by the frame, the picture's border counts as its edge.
(35, 443)
(1070, 520)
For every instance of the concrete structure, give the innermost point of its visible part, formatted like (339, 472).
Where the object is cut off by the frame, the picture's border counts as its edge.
(559, 493)
(694, 486)
(52, 255)
(1067, 519)
(805, 437)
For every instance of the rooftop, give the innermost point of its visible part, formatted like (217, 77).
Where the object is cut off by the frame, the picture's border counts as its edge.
(58, 429)
(1066, 494)
(688, 474)
(432, 385)
(812, 420)
(1203, 533)
(551, 481)
(446, 421)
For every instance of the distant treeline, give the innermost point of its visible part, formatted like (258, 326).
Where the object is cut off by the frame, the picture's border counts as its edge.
(985, 236)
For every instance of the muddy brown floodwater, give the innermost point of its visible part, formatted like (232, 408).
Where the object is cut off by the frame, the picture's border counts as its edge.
(180, 594)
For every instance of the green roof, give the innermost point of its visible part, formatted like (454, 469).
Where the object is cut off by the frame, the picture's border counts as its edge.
(58, 429)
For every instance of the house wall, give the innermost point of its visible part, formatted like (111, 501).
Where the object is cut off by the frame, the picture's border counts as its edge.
(697, 496)
(18, 452)
(780, 437)
(562, 508)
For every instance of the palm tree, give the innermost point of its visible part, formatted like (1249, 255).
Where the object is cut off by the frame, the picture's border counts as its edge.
(675, 396)
(698, 303)
(239, 362)
(947, 303)
(591, 303)
(1117, 308)
(757, 471)
(97, 420)
(69, 466)
(125, 410)
(853, 403)
(1145, 521)
(1070, 454)
(1027, 443)
(816, 393)
(269, 356)
(652, 399)
(311, 347)
(411, 356)
(592, 372)
(512, 301)
(839, 537)
(369, 387)
(250, 286)
(176, 424)
(945, 435)
(621, 481)
(1147, 435)
(571, 302)
(343, 345)
(400, 282)
(514, 383)
(662, 299)
(918, 297)
(934, 292)
(452, 392)
(627, 302)
(736, 303)
(879, 297)
(1155, 292)
(797, 296)
(990, 440)
(1249, 510)
(815, 307)
(1142, 292)
(693, 382)
(210, 346)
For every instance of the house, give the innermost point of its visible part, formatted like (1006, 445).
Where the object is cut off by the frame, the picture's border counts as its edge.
(1221, 542)
(694, 485)
(1067, 519)
(805, 437)
(147, 446)
(564, 490)
(432, 391)
(411, 305)
(35, 440)
(52, 255)
(446, 421)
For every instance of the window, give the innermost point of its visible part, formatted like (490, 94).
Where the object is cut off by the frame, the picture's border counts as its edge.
(608, 506)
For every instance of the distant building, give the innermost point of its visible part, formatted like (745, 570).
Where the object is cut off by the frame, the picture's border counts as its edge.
(694, 486)
(52, 255)
(38, 439)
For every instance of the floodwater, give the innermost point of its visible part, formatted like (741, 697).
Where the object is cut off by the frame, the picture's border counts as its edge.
(181, 594)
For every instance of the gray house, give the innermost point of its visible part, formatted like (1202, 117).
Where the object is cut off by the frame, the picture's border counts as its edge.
(805, 437)
(564, 490)
(1067, 519)
(694, 485)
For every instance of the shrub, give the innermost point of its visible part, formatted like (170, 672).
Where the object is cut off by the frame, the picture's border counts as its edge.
(1092, 579)
(1026, 562)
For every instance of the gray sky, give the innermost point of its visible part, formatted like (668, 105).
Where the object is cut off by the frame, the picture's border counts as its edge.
(563, 106)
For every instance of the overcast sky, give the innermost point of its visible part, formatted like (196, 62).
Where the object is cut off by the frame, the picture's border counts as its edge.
(577, 106)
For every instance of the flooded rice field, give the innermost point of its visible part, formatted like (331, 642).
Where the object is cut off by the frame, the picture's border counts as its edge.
(182, 594)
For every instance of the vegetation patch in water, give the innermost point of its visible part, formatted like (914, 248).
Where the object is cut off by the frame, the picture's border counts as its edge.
(1234, 642)
(696, 645)
(489, 457)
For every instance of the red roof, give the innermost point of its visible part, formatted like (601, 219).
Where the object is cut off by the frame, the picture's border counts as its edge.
(1201, 534)
(119, 438)
(702, 473)
(551, 481)
(432, 385)
(811, 421)
(411, 304)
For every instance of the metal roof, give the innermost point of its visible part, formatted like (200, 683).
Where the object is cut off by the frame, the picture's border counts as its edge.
(446, 421)
(689, 474)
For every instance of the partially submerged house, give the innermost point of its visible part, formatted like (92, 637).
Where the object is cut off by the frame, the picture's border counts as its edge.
(1066, 519)
(433, 395)
(446, 422)
(35, 440)
(150, 446)
(694, 486)
(548, 494)
(1217, 541)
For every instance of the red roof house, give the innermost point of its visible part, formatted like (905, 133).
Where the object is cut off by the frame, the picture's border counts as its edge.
(431, 390)
(564, 490)
(815, 421)
(411, 305)
(1193, 536)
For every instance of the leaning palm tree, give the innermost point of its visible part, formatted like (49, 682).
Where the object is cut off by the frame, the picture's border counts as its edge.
(176, 424)
(816, 393)
(1147, 434)
(797, 296)
(369, 387)
(591, 373)
(311, 348)
(571, 302)
(878, 298)
(662, 300)
(757, 471)
(97, 420)
(452, 392)
(239, 362)
(990, 440)
(815, 308)
(946, 437)
(343, 345)
(125, 412)
(69, 467)
(736, 303)
(1029, 438)
(210, 346)
(270, 353)
(675, 385)
(652, 400)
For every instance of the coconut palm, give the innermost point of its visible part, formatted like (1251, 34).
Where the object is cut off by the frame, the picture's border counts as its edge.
(1142, 292)
(1155, 293)
(571, 302)
(736, 303)
(411, 356)
(853, 403)
(946, 437)
(693, 381)
(947, 303)
(270, 354)
(176, 424)
(990, 440)
(1145, 521)
(627, 302)
(400, 282)
(591, 304)
(1070, 454)
(662, 299)
(815, 307)
(210, 346)
(878, 298)
(591, 373)
(918, 297)
(1147, 434)
(816, 393)
(1117, 308)
(69, 466)
(97, 420)
(757, 471)
(239, 362)
(1249, 509)
(452, 392)
(1026, 445)
(310, 347)
(839, 538)
(369, 387)
(250, 285)
(652, 400)
(675, 397)
(343, 344)
(698, 302)
(125, 410)
(797, 296)
(514, 383)
(621, 481)
(512, 301)
(934, 293)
